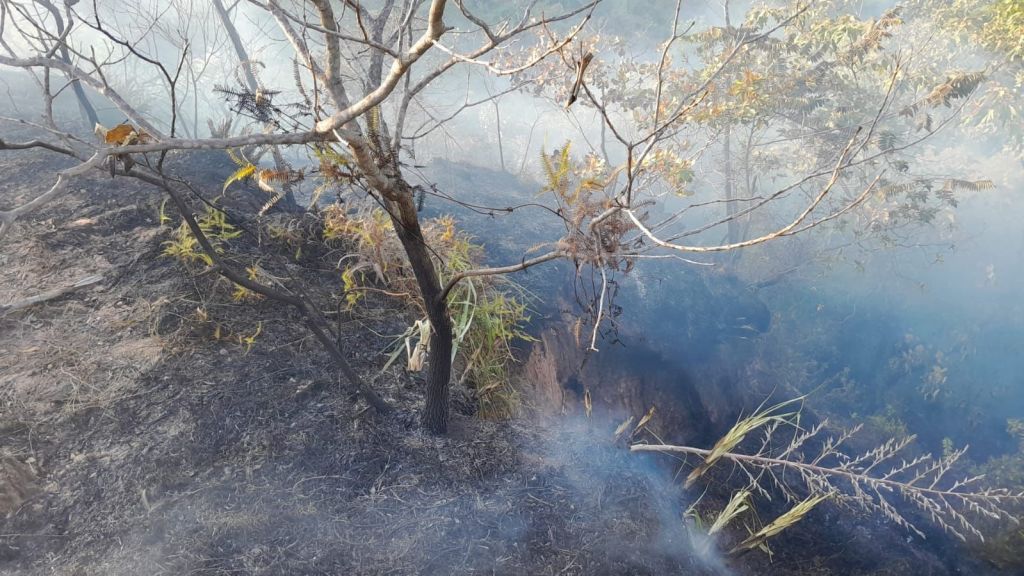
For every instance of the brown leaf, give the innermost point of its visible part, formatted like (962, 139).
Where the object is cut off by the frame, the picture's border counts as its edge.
(119, 134)
(643, 421)
(581, 69)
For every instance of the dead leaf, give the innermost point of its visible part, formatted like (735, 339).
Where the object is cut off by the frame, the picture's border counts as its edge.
(581, 69)
(622, 427)
(644, 421)
(120, 134)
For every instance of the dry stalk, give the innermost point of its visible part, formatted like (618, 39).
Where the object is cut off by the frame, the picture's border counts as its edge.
(866, 481)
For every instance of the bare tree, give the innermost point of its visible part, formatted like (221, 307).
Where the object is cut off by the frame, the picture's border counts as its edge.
(363, 75)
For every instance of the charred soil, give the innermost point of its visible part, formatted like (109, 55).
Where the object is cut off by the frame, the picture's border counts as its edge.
(141, 433)
(150, 423)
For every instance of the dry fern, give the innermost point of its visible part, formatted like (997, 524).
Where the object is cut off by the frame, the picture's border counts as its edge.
(956, 87)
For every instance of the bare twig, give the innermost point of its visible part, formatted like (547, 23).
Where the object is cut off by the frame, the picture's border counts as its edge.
(50, 294)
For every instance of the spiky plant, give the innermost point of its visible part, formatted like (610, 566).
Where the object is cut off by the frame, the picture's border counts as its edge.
(815, 465)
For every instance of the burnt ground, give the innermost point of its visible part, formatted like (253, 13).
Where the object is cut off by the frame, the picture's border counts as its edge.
(140, 435)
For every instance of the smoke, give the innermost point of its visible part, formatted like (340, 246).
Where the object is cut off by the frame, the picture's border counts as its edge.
(603, 474)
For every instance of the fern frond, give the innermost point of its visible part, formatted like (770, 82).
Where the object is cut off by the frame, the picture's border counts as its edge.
(238, 159)
(270, 203)
(891, 190)
(549, 170)
(952, 185)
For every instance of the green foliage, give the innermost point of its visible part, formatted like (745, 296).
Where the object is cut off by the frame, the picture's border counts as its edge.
(1015, 428)
(557, 168)
(249, 340)
(1004, 548)
(995, 25)
(887, 424)
(351, 287)
(185, 248)
(992, 32)
(215, 225)
(162, 217)
(240, 293)
(488, 312)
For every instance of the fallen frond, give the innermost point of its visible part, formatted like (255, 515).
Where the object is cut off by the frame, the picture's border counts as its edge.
(818, 466)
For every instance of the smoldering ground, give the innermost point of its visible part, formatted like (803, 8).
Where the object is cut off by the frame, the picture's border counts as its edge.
(244, 477)
(210, 459)
(563, 501)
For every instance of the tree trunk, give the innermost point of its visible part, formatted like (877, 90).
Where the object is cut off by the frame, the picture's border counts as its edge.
(435, 409)
(730, 202)
(407, 226)
(84, 106)
(730, 193)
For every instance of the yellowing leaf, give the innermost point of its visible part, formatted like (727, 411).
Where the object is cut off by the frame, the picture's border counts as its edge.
(239, 175)
(248, 341)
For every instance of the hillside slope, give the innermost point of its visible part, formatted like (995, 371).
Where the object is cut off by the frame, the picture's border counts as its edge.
(138, 435)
